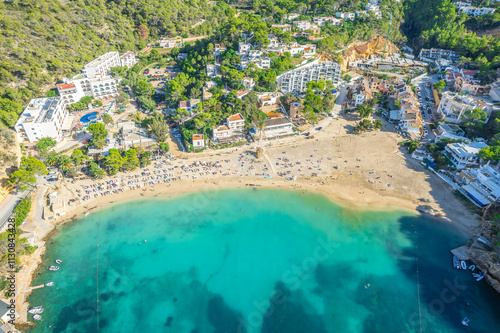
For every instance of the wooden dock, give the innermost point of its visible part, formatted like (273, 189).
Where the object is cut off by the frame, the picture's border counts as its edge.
(461, 252)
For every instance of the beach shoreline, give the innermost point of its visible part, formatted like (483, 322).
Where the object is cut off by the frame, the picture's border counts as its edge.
(340, 175)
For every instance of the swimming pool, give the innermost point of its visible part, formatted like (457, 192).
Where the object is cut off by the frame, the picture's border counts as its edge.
(89, 117)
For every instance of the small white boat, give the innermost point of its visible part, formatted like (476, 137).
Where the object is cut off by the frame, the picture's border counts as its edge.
(49, 284)
(87, 213)
(475, 275)
(465, 321)
(463, 264)
(472, 267)
(36, 310)
(37, 317)
(481, 276)
(58, 261)
(53, 268)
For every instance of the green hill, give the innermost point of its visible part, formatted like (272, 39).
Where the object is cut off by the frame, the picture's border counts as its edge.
(43, 40)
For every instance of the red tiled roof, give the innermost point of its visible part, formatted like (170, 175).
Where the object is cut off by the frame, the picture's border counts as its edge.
(183, 104)
(65, 86)
(469, 72)
(198, 137)
(235, 117)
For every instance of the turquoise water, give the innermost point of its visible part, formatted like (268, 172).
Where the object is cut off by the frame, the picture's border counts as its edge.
(258, 261)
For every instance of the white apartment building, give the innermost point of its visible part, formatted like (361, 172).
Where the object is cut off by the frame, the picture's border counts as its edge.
(221, 133)
(304, 25)
(248, 82)
(198, 141)
(476, 11)
(190, 105)
(42, 118)
(103, 87)
(282, 27)
(102, 65)
(268, 99)
(321, 21)
(482, 184)
(463, 155)
(244, 48)
(128, 59)
(362, 13)
(296, 79)
(72, 90)
(308, 50)
(345, 16)
(292, 16)
(211, 70)
(167, 42)
(453, 106)
(437, 53)
(373, 8)
(236, 123)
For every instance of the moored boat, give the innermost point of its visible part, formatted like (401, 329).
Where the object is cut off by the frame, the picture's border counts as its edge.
(36, 310)
(456, 262)
(480, 277)
(49, 284)
(53, 268)
(37, 317)
(465, 321)
(472, 267)
(58, 261)
(463, 264)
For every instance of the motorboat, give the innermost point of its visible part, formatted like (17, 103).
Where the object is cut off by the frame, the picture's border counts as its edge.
(58, 261)
(49, 284)
(36, 310)
(53, 268)
(37, 317)
(87, 213)
(456, 262)
(472, 267)
(463, 264)
(480, 277)
(465, 321)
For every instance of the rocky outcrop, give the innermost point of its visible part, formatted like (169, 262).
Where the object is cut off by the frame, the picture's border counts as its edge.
(488, 263)
(364, 51)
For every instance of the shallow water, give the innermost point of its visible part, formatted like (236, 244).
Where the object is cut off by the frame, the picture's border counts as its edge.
(258, 261)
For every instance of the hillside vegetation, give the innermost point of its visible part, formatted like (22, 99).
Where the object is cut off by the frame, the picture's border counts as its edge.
(42, 41)
(435, 23)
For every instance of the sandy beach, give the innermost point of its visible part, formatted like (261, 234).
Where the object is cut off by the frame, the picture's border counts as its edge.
(368, 171)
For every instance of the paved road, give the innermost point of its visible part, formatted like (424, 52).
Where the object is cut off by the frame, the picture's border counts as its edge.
(424, 93)
(340, 99)
(8, 205)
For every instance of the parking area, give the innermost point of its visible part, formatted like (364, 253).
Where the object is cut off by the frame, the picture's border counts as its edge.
(427, 106)
(159, 76)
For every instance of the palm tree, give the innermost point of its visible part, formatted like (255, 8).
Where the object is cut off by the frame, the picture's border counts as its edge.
(52, 159)
(65, 163)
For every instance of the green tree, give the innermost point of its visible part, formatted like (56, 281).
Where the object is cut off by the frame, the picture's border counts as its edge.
(364, 111)
(9, 112)
(347, 78)
(96, 103)
(99, 133)
(164, 146)
(144, 88)
(131, 161)
(439, 85)
(96, 171)
(107, 119)
(44, 145)
(25, 176)
(78, 157)
(86, 100)
(159, 127)
(114, 162)
(377, 124)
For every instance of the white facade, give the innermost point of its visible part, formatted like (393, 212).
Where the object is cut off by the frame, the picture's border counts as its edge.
(482, 184)
(437, 53)
(244, 48)
(236, 123)
(292, 16)
(296, 79)
(282, 27)
(321, 21)
(129, 59)
(476, 11)
(453, 106)
(189, 105)
(198, 141)
(102, 65)
(345, 16)
(42, 118)
(103, 87)
(463, 155)
(304, 25)
(221, 133)
(248, 82)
